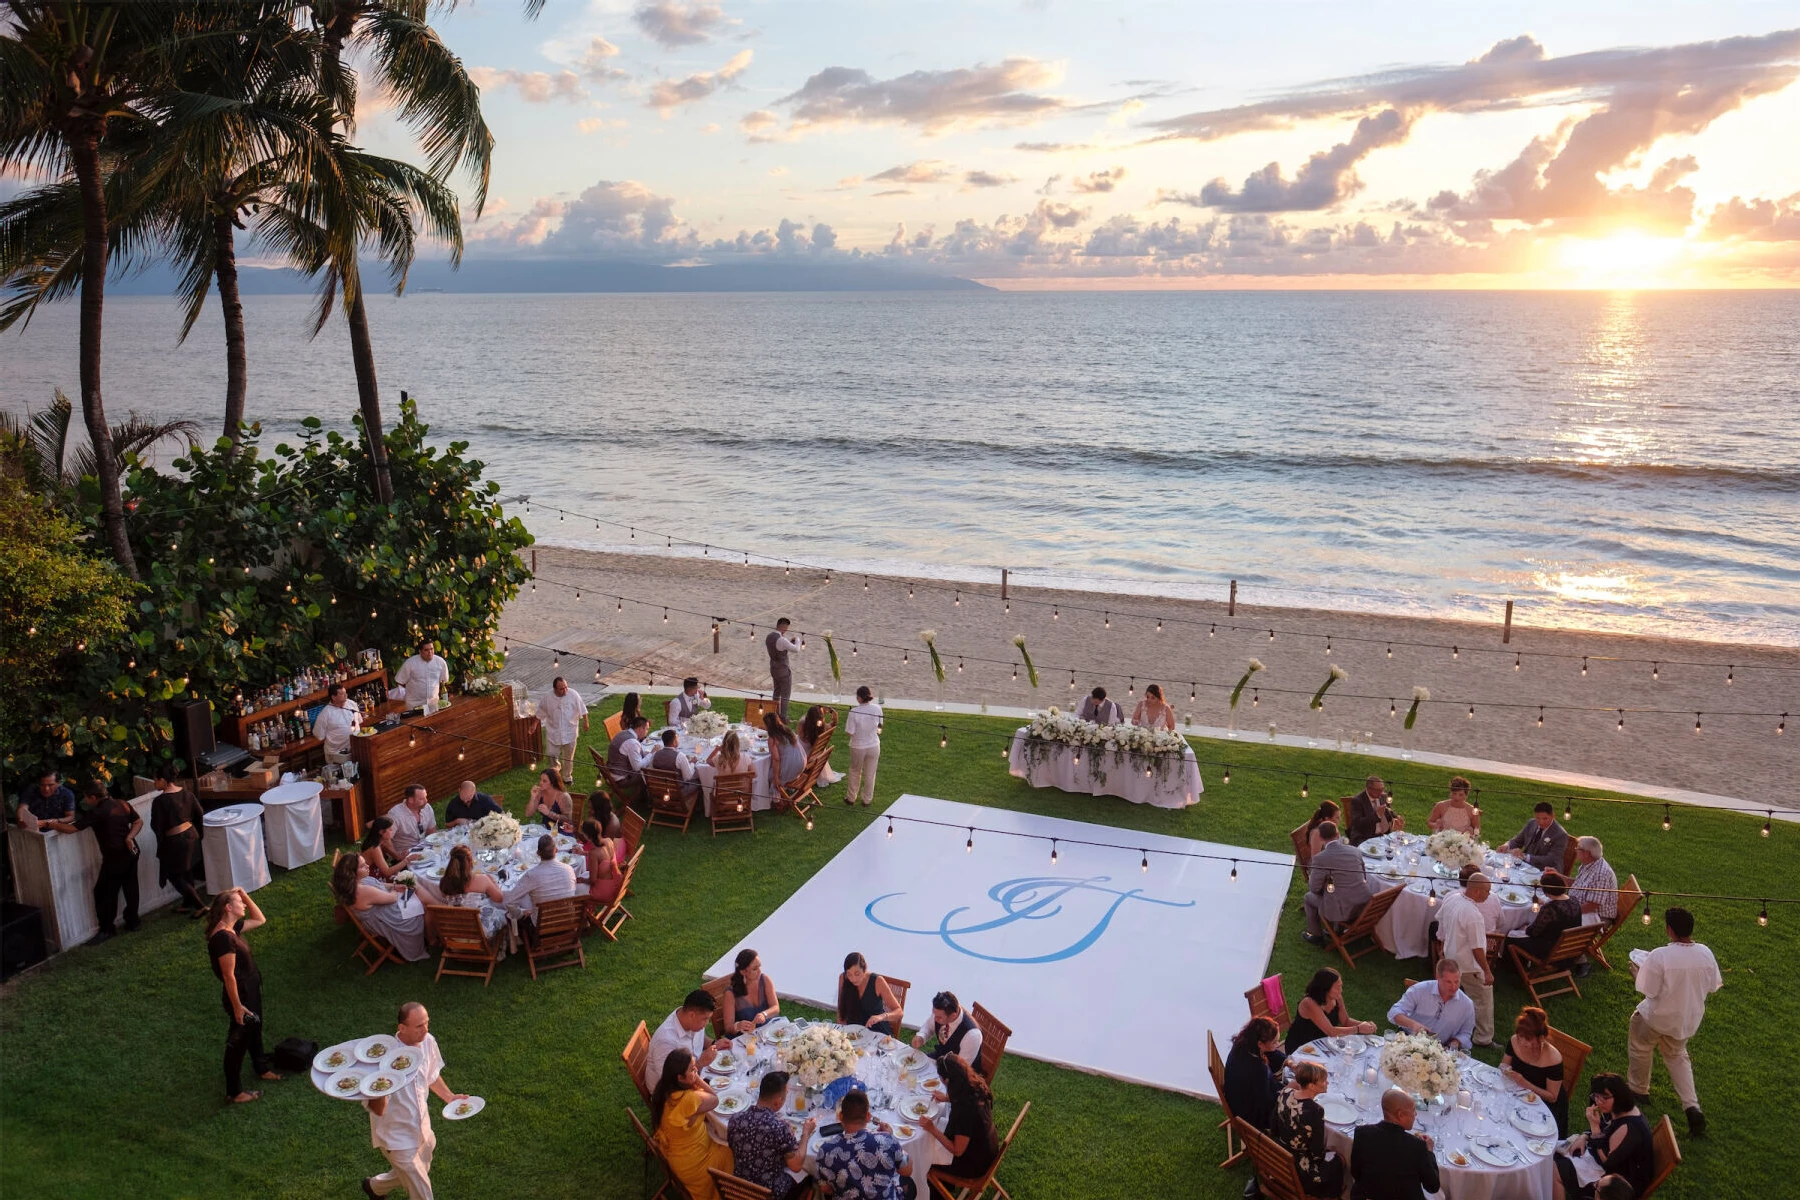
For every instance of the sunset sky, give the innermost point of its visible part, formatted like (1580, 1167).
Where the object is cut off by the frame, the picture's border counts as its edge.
(1051, 143)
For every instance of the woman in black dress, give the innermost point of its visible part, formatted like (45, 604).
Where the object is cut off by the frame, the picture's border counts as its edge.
(234, 914)
(1618, 1139)
(1250, 1086)
(178, 822)
(864, 998)
(1533, 1061)
(1321, 1012)
(750, 1001)
(968, 1131)
(1300, 1127)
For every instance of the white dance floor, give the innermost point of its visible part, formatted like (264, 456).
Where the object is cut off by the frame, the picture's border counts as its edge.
(1093, 962)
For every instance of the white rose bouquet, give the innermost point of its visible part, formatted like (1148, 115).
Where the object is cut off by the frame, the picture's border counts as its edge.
(1455, 849)
(496, 831)
(707, 723)
(406, 879)
(819, 1054)
(1419, 1064)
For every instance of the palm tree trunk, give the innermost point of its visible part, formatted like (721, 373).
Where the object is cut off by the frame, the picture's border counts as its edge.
(237, 370)
(362, 352)
(84, 154)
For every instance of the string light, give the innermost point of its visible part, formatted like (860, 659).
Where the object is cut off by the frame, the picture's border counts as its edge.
(1518, 661)
(1015, 672)
(1234, 870)
(1109, 620)
(462, 752)
(1665, 818)
(809, 823)
(865, 583)
(621, 605)
(944, 738)
(1053, 852)
(1781, 726)
(665, 616)
(1227, 772)
(1568, 811)
(1390, 650)
(1159, 626)
(1213, 632)
(1328, 645)
(1271, 635)
(890, 831)
(1055, 613)
(1132, 689)
(1621, 720)
(1762, 918)
(1655, 671)
(1768, 824)
(909, 591)
(1193, 691)
(1144, 862)
(1540, 716)
(1455, 652)
(556, 659)
(1584, 666)
(1393, 709)
(1471, 712)
(1729, 671)
(596, 674)
(1646, 908)
(959, 599)
(969, 846)
(1305, 786)
(1696, 722)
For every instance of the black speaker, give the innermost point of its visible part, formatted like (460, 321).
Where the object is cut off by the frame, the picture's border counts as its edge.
(21, 938)
(193, 729)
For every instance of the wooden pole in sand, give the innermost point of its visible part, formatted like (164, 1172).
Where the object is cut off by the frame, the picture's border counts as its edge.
(715, 636)
(1003, 575)
(1231, 607)
(534, 562)
(1506, 634)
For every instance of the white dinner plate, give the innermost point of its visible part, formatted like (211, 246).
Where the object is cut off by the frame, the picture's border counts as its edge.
(347, 1084)
(1338, 1110)
(378, 1081)
(1495, 1152)
(1515, 897)
(778, 1033)
(1483, 1074)
(728, 1062)
(333, 1059)
(376, 1048)
(904, 1131)
(1638, 956)
(1535, 1120)
(917, 1107)
(462, 1110)
(404, 1060)
(1541, 1146)
(1452, 1158)
(734, 1101)
(912, 1060)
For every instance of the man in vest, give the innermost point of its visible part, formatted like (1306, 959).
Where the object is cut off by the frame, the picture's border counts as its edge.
(669, 758)
(626, 755)
(688, 701)
(952, 1031)
(781, 677)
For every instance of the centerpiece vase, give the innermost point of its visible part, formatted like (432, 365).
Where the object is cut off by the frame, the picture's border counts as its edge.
(1314, 719)
(1231, 724)
(1406, 740)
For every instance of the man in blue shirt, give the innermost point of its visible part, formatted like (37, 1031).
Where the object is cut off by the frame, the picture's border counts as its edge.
(764, 1148)
(468, 805)
(862, 1163)
(47, 800)
(1438, 1007)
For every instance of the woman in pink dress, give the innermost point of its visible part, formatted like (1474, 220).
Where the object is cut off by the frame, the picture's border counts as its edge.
(602, 857)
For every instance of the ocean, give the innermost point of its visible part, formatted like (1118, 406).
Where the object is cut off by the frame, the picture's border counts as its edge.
(1623, 461)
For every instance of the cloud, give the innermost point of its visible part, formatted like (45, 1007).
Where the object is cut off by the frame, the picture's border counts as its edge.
(596, 63)
(928, 170)
(931, 101)
(894, 192)
(528, 229)
(614, 217)
(534, 87)
(1052, 147)
(1098, 181)
(596, 124)
(987, 179)
(1755, 220)
(666, 95)
(1328, 177)
(756, 125)
(671, 23)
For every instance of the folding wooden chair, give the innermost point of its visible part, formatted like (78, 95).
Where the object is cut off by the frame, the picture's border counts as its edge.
(1363, 927)
(994, 1036)
(613, 724)
(1630, 896)
(577, 806)
(953, 1187)
(1258, 999)
(1274, 1163)
(797, 794)
(1665, 1155)
(613, 917)
(732, 1188)
(373, 949)
(1574, 1053)
(671, 1186)
(637, 1056)
(1536, 972)
(669, 804)
(558, 941)
(1568, 867)
(1215, 1066)
(731, 809)
(754, 710)
(900, 987)
(716, 988)
(631, 830)
(1302, 847)
(464, 941)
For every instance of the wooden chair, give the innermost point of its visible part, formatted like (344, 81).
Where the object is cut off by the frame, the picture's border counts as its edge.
(373, 949)
(1630, 896)
(1574, 1053)
(671, 1186)
(900, 987)
(1362, 928)
(1274, 1163)
(669, 804)
(1302, 847)
(754, 710)
(631, 830)
(1536, 972)
(731, 809)
(559, 925)
(577, 808)
(612, 725)
(1215, 1066)
(716, 988)
(1258, 999)
(798, 794)
(994, 1036)
(464, 941)
(612, 918)
(1665, 1155)
(637, 1056)
(732, 1188)
(1568, 866)
(953, 1187)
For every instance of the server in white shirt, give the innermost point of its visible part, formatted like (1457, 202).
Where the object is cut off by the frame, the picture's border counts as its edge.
(422, 678)
(336, 723)
(1675, 979)
(1464, 932)
(412, 818)
(563, 714)
(400, 1122)
(863, 724)
(781, 676)
(688, 701)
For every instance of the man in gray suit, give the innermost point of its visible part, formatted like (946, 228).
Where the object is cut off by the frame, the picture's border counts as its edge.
(1337, 885)
(781, 676)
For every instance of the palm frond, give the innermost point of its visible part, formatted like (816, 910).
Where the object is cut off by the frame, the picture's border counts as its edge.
(435, 95)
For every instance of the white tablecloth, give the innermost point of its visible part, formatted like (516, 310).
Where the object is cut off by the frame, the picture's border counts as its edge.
(291, 824)
(697, 749)
(151, 894)
(1406, 930)
(1112, 774)
(1530, 1179)
(233, 848)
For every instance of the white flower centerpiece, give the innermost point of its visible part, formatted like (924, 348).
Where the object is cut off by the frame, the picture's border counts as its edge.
(496, 831)
(1419, 1064)
(707, 724)
(819, 1054)
(1160, 747)
(1455, 849)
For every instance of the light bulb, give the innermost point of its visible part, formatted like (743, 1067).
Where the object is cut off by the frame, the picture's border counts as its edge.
(1305, 787)
(1078, 758)
(665, 616)
(1055, 613)
(959, 666)
(1213, 632)
(809, 823)
(1696, 722)
(1471, 712)
(1655, 671)
(1729, 671)
(1193, 692)
(1053, 852)
(1330, 885)
(1109, 620)
(865, 581)
(943, 741)
(1584, 666)
(461, 753)
(1255, 697)
(1271, 635)
(1540, 716)
(1665, 818)
(890, 831)
(596, 674)
(1393, 709)
(1234, 870)
(1762, 918)
(1781, 726)
(1132, 690)
(1455, 652)
(1621, 720)
(1646, 912)
(959, 599)
(621, 606)
(969, 845)
(1518, 659)
(1144, 863)
(1015, 673)
(1328, 645)
(1568, 812)
(1227, 772)
(1768, 824)
(556, 659)
(1159, 626)
(1390, 652)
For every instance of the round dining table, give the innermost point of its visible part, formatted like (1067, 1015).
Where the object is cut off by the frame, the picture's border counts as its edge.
(233, 849)
(754, 741)
(1399, 860)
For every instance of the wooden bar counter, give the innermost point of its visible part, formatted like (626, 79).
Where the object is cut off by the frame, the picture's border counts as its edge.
(477, 727)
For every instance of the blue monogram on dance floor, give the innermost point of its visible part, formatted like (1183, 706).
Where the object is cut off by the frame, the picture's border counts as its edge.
(1037, 898)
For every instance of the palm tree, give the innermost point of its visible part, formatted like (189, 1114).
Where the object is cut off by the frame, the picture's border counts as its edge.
(42, 439)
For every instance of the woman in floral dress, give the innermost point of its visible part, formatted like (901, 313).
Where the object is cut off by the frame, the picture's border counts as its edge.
(1300, 1127)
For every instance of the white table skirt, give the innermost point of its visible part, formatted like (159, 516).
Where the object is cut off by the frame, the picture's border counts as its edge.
(1100, 773)
(1406, 930)
(151, 894)
(233, 849)
(292, 827)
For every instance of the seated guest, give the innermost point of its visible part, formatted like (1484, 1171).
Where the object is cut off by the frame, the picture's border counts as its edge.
(688, 701)
(1542, 842)
(385, 909)
(1337, 885)
(862, 1163)
(1387, 1160)
(549, 801)
(1250, 1071)
(683, 1029)
(1153, 712)
(812, 728)
(750, 1001)
(600, 809)
(626, 754)
(1618, 1140)
(729, 758)
(764, 1149)
(968, 1132)
(1557, 913)
(601, 855)
(469, 805)
(1327, 811)
(1596, 889)
(548, 878)
(1369, 813)
(790, 760)
(952, 1031)
(1101, 711)
(630, 709)
(1299, 1126)
(865, 998)
(178, 822)
(412, 818)
(464, 887)
(1614, 1187)
(1322, 1013)
(378, 850)
(1456, 812)
(1533, 1062)
(1438, 1007)
(668, 757)
(45, 800)
(678, 1109)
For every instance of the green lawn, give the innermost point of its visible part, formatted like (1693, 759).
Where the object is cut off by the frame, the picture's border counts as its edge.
(110, 1080)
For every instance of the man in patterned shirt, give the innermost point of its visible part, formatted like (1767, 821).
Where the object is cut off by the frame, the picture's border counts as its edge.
(862, 1163)
(763, 1146)
(1597, 889)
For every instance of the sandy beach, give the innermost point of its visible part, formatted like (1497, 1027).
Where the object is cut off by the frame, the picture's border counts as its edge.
(876, 626)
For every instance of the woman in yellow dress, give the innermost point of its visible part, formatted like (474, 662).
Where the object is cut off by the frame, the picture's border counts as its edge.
(678, 1110)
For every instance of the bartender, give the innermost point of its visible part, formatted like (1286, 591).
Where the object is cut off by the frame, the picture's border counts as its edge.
(45, 800)
(336, 723)
(422, 678)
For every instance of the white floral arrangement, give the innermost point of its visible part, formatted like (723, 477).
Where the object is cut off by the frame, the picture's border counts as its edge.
(707, 724)
(1456, 849)
(819, 1054)
(496, 831)
(481, 685)
(1418, 1063)
(406, 879)
(1054, 725)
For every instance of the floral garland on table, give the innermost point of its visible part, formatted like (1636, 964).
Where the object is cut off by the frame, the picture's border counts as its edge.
(480, 685)
(819, 1054)
(1419, 1064)
(1160, 747)
(707, 723)
(496, 831)
(1455, 849)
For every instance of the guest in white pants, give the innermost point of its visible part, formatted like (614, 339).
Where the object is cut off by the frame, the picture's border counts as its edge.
(864, 727)
(400, 1122)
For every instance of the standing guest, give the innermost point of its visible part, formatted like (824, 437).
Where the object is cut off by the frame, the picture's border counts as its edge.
(422, 678)
(1558, 913)
(1299, 1126)
(683, 1029)
(379, 851)
(812, 728)
(1390, 1162)
(1490, 905)
(1675, 979)
(953, 1032)
(1456, 813)
(689, 700)
(678, 1109)
(862, 1163)
(1101, 711)
(46, 800)
(790, 760)
(728, 758)
(1337, 885)
(1326, 812)
(179, 823)
(668, 757)
(337, 723)
(1533, 1062)
(1464, 931)
(464, 887)
(550, 800)
(600, 854)
(233, 915)
(626, 755)
(1618, 1139)
(968, 1132)
(1542, 842)
(781, 676)
(469, 805)
(564, 715)
(400, 1122)
(1322, 1012)
(1370, 812)
(1438, 1007)
(1153, 712)
(865, 998)
(116, 825)
(1596, 889)
(412, 819)
(750, 1001)
(764, 1149)
(386, 909)
(1251, 1066)
(863, 725)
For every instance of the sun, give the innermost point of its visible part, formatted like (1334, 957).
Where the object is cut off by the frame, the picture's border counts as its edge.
(1625, 259)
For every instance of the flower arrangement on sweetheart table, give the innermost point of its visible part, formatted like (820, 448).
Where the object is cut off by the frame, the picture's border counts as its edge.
(1159, 748)
(708, 724)
(496, 831)
(1456, 849)
(819, 1054)
(1419, 1064)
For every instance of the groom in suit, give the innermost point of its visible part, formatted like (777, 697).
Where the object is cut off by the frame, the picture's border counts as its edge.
(1388, 1161)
